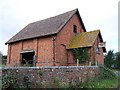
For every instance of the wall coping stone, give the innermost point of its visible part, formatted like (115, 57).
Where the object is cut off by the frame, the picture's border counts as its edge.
(48, 67)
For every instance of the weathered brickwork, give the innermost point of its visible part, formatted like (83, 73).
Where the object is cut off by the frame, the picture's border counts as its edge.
(63, 39)
(43, 48)
(14, 54)
(99, 57)
(45, 52)
(45, 76)
(51, 50)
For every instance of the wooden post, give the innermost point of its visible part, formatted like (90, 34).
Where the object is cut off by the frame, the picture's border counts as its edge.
(90, 63)
(35, 57)
(34, 60)
(96, 63)
(77, 62)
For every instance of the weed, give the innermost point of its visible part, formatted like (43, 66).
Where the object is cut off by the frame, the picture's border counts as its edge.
(9, 81)
(106, 73)
(41, 72)
(27, 81)
(105, 79)
(58, 83)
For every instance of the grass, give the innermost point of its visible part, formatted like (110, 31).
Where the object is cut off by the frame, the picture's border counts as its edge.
(1, 65)
(97, 83)
(106, 79)
(119, 81)
(94, 83)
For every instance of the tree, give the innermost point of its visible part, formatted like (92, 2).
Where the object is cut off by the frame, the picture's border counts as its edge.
(81, 54)
(1, 55)
(117, 60)
(109, 59)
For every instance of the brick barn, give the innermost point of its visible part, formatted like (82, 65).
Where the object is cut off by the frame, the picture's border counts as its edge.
(50, 42)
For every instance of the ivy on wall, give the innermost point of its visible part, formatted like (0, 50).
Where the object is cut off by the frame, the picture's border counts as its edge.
(81, 54)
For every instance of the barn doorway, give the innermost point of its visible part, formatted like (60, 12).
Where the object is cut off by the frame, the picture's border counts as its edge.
(27, 58)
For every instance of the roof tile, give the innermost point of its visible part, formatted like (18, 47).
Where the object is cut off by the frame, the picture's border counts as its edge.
(84, 39)
(43, 27)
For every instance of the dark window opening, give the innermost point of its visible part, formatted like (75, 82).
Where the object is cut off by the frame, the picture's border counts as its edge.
(27, 58)
(98, 50)
(74, 28)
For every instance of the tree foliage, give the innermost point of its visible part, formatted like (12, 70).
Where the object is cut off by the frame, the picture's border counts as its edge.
(81, 54)
(112, 60)
(1, 55)
(109, 59)
(117, 60)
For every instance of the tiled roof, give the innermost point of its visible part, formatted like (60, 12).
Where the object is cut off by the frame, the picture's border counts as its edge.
(84, 39)
(45, 27)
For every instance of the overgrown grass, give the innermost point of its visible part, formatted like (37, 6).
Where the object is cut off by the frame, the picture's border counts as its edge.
(100, 83)
(106, 79)
(119, 81)
(93, 83)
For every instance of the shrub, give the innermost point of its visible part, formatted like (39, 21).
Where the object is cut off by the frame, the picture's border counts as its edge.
(57, 82)
(81, 54)
(41, 72)
(9, 81)
(106, 73)
(27, 81)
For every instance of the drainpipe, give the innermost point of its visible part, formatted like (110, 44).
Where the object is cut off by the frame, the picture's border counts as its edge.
(97, 47)
(9, 58)
(53, 51)
(67, 56)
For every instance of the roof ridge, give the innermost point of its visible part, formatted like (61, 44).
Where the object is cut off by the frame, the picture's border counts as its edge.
(48, 26)
(94, 30)
(74, 10)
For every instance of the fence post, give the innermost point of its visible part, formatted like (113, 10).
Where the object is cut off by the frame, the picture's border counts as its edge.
(77, 62)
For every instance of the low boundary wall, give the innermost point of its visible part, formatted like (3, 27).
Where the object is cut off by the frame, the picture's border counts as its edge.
(45, 77)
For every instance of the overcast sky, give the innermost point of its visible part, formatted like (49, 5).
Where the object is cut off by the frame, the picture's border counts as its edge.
(96, 14)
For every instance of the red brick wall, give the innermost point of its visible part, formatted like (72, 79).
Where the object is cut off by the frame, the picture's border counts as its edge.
(8, 54)
(13, 54)
(64, 38)
(94, 56)
(43, 48)
(99, 57)
(28, 44)
(45, 51)
(70, 58)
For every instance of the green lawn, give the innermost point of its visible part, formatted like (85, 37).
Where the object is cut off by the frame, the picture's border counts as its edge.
(119, 81)
(101, 83)
(95, 84)
(113, 83)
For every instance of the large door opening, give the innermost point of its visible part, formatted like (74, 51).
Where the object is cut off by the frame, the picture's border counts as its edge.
(27, 58)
